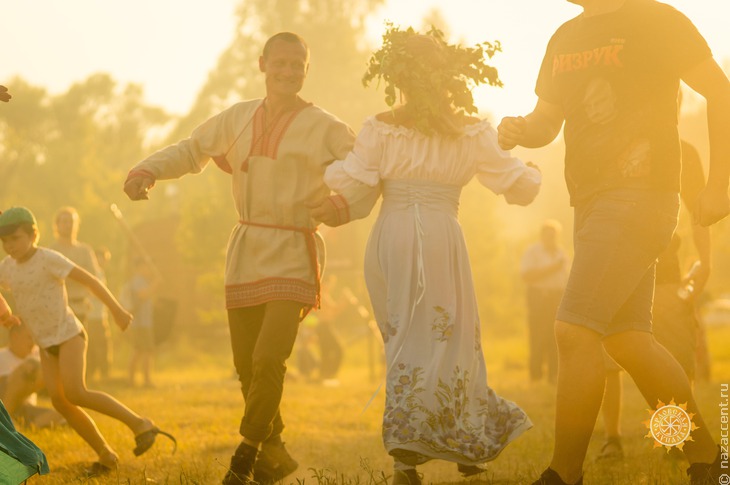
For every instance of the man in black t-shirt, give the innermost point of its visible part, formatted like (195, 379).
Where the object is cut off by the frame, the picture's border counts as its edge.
(612, 75)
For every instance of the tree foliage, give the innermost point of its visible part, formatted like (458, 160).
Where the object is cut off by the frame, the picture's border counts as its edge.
(73, 149)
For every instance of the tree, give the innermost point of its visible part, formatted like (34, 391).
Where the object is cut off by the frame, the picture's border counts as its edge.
(73, 149)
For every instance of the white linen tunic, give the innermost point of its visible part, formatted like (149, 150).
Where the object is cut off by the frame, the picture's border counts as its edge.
(274, 252)
(438, 403)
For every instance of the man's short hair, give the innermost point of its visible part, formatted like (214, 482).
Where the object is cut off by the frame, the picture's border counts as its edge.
(285, 37)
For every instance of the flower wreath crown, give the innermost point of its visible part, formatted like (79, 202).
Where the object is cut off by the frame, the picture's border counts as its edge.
(448, 69)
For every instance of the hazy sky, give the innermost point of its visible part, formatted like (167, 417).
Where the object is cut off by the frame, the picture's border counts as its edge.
(169, 46)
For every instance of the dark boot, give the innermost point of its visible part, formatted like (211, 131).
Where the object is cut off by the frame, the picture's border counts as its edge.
(470, 470)
(242, 464)
(406, 477)
(274, 462)
(705, 473)
(551, 477)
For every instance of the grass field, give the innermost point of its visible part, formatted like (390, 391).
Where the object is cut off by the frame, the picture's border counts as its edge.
(334, 438)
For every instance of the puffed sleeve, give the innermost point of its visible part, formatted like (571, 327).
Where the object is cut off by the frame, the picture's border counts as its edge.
(357, 178)
(502, 173)
(191, 155)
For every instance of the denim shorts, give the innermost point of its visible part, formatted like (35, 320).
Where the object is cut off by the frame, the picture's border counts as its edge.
(618, 235)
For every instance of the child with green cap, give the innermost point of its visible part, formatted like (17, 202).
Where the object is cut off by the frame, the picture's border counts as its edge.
(36, 278)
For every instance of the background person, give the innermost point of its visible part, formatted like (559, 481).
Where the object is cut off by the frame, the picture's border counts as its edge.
(66, 226)
(544, 269)
(102, 352)
(142, 288)
(21, 379)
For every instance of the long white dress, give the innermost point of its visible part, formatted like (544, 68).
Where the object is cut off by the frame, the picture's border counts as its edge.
(438, 403)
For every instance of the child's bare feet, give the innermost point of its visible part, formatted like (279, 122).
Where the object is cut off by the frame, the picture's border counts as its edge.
(109, 458)
(107, 463)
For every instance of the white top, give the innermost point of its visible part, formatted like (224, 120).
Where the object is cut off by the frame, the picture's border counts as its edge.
(437, 403)
(538, 257)
(79, 296)
(40, 295)
(383, 151)
(9, 362)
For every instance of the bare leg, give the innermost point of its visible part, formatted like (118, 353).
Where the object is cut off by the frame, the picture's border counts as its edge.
(74, 415)
(611, 408)
(659, 377)
(581, 380)
(71, 365)
(147, 368)
(133, 366)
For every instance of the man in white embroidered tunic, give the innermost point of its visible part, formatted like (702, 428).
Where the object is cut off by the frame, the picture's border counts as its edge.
(276, 150)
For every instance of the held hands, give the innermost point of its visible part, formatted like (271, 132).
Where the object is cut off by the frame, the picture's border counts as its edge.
(511, 131)
(137, 188)
(324, 211)
(712, 205)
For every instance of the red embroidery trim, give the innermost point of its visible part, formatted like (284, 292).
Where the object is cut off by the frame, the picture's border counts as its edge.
(311, 249)
(142, 173)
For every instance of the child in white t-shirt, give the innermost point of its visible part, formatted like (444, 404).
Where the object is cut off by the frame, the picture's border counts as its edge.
(36, 278)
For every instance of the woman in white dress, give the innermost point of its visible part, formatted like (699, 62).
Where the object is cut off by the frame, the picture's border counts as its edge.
(438, 403)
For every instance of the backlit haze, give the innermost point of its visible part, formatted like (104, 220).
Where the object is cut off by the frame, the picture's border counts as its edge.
(170, 46)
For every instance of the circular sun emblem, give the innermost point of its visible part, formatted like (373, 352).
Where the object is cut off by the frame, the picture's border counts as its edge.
(670, 425)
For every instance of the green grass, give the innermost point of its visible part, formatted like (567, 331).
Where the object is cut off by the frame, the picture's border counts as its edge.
(334, 438)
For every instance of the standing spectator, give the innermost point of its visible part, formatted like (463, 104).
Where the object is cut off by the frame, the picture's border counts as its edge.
(101, 353)
(66, 230)
(141, 290)
(544, 269)
(21, 379)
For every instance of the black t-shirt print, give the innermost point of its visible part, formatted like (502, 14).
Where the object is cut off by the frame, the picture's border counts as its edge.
(616, 78)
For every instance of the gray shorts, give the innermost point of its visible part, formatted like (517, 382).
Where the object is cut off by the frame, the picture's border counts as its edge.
(618, 235)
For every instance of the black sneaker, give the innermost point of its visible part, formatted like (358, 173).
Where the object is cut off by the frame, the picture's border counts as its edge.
(705, 473)
(242, 464)
(551, 477)
(274, 462)
(470, 470)
(406, 477)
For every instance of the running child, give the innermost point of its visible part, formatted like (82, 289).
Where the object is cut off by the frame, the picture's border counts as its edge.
(36, 278)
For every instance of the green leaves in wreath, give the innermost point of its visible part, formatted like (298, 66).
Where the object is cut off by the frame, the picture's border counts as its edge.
(433, 74)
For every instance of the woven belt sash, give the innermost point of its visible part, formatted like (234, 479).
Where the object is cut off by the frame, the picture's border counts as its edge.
(311, 248)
